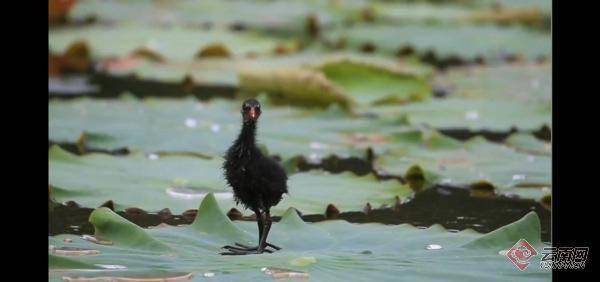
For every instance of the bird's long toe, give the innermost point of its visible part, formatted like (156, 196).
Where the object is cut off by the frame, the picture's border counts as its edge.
(273, 246)
(238, 252)
(246, 246)
(256, 247)
(229, 247)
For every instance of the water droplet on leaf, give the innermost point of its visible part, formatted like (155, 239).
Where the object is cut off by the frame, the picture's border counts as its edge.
(189, 193)
(518, 177)
(209, 274)
(433, 247)
(190, 122)
(111, 266)
(215, 127)
(472, 115)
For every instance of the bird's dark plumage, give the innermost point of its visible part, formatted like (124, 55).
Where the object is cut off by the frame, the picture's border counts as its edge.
(258, 181)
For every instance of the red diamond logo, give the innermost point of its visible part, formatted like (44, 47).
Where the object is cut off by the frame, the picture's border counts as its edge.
(521, 253)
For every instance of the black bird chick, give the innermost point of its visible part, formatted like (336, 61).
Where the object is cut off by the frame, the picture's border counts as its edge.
(258, 181)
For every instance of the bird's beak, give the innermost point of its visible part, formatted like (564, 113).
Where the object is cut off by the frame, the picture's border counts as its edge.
(253, 113)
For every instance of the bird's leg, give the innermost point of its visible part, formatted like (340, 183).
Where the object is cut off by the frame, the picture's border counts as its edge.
(261, 223)
(264, 224)
(242, 247)
(267, 227)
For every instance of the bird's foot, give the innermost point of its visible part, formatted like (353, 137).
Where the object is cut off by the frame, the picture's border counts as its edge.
(241, 249)
(238, 252)
(267, 244)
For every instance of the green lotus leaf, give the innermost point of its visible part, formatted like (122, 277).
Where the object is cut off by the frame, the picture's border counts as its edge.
(294, 86)
(173, 43)
(270, 16)
(340, 79)
(402, 13)
(212, 71)
(185, 125)
(59, 262)
(544, 5)
(519, 82)
(177, 182)
(527, 143)
(122, 232)
(315, 250)
(292, 80)
(527, 228)
(451, 161)
(208, 71)
(474, 114)
(467, 41)
(371, 83)
(450, 13)
(495, 98)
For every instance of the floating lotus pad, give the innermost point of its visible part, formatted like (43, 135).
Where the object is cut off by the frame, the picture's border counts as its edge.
(318, 250)
(515, 82)
(495, 98)
(178, 182)
(499, 115)
(298, 87)
(341, 79)
(173, 43)
(451, 13)
(466, 162)
(271, 16)
(371, 83)
(210, 128)
(467, 42)
(300, 79)
(528, 144)
(544, 5)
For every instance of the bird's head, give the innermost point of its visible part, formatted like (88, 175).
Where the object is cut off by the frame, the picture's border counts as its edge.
(250, 110)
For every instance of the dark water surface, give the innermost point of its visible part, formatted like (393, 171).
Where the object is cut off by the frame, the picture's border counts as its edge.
(452, 207)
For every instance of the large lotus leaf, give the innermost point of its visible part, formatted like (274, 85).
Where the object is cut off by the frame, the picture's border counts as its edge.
(172, 42)
(325, 251)
(527, 143)
(339, 80)
(510, 170)
(221, 71)
(399, 12)
(360, 77)
(177, 182)
(474, 114)
(134, 181)
(467, 42)
(368, 82)
(208, 71)
(210, 128)
(520, 82)
(544, 5)
(436, 13)
(278, 16)
(294, 86)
